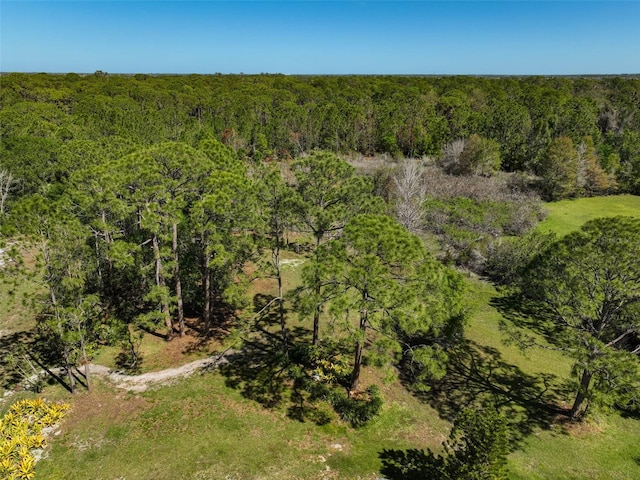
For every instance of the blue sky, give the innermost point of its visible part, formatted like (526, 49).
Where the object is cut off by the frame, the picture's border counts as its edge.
(321, 37)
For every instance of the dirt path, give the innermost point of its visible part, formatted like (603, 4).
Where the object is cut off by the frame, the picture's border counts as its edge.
(140, 383)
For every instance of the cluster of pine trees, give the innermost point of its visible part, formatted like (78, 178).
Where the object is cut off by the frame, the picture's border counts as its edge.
(137, 244)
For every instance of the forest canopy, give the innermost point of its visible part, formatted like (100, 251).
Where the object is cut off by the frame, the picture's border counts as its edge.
(581, 136)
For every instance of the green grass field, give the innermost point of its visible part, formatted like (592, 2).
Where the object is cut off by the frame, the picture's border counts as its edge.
(568, 215)
(209, 426)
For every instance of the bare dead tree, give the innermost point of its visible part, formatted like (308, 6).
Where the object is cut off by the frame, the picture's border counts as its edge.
(8, 183)
(411, 192)
(451, 153)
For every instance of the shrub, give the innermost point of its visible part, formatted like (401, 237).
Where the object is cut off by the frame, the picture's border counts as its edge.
(477, 448)
(506, 260)
(358, 410)
(21, 431)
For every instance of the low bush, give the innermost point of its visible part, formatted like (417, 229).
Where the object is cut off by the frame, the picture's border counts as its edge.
(358, 410)
(21, 432)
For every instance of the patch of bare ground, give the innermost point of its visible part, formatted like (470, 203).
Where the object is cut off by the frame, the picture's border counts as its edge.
(95, 412)
(583, 428)
(140, 383)
(159, 354)
(103, 407)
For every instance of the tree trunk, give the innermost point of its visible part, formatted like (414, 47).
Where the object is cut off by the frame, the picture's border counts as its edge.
(207, 293)
(65, 351)
(316, 314)
(68, 367)
(176, 272)
(283, 324)
(107, 237)
(98, 267)
(316, 318)
(581, 395)
(85, 360)
(106, 277)
(160, 282)
(357, 362)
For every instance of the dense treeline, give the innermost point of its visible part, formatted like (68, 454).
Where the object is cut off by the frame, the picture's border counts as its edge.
(581, 135)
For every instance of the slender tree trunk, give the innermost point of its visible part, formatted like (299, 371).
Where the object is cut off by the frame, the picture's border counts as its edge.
(85, 360)
(6, 183)
(357, 361)
(107, 237)
(283, 324)
(107, 277)
(160, 282)
(66, 354)
(206, 284)
(68, 367)
(318, 310)
(207, 297)
(176, 273)
(581, 395)
(54, 303)
(316, 317)
(207, 293)
(98, 266)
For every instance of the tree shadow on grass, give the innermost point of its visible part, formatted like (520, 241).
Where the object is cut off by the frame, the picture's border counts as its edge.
(523, 313)
(266, 368)
(259, 369)
(477, 374)
(10, 376)
(27, 364)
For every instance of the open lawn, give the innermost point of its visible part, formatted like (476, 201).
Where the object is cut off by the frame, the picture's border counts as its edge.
(604, 447)
(568, 215)
(203, 429)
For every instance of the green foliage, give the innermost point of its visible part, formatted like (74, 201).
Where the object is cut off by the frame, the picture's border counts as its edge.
(507, 260)
(138, 190)
(330, 193)
(587, 285)
(267, 117)
(479, 156)
(357, 410)
(559, 169)
(592, 179)
(322, 366)
(468, 226)
(382, 271)
(477, 449)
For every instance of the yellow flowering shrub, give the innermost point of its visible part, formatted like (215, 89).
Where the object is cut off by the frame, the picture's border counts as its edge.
(21, 431)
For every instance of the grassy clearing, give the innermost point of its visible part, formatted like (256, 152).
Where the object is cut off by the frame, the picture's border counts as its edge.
(568, 215)
(202, 429)
(484, 329)
(607, 447)
(17, 321)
